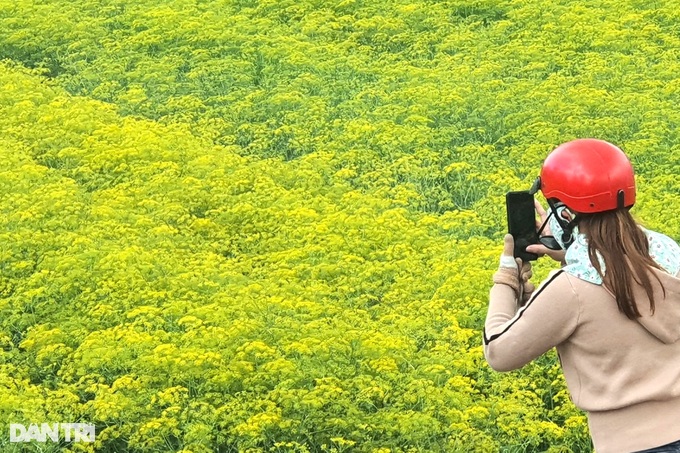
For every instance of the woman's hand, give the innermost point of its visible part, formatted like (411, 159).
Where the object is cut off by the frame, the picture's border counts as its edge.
(514, 273)
(540, 249)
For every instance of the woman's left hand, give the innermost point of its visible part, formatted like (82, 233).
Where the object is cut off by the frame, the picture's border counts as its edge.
(513, 272)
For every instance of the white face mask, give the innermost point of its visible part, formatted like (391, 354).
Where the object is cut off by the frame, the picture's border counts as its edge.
(556, 228)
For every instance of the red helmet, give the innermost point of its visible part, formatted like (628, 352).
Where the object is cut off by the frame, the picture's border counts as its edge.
(589, 175)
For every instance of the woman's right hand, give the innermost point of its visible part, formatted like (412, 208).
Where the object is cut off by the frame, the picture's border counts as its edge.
(540, 249)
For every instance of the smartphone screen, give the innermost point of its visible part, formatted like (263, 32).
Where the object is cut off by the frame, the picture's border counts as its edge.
(522, 222)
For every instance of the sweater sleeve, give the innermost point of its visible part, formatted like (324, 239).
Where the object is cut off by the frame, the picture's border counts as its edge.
(514, 337)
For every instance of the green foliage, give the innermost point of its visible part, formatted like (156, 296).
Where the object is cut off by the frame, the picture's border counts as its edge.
(270, 225)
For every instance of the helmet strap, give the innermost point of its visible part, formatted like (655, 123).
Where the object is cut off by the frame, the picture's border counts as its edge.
(567, 226)
(548, 241)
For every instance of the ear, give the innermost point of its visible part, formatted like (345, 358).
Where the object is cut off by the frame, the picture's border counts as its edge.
(567, 214)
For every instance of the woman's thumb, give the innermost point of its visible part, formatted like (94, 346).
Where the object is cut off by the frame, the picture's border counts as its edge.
(508, 245)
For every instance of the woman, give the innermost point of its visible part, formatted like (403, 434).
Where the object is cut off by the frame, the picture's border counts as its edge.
(612, 310)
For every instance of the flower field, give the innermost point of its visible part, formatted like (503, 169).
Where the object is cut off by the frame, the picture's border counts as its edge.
(271, 225)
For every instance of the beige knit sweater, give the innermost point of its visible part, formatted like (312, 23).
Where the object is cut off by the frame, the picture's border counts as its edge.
(624, 373)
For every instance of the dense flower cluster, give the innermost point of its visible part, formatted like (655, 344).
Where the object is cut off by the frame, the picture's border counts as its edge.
(270, 225)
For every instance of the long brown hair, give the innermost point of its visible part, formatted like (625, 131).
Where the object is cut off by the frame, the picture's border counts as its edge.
(624, 249)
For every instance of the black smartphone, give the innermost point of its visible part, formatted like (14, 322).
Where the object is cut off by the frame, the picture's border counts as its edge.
(522, 222)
